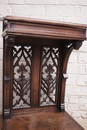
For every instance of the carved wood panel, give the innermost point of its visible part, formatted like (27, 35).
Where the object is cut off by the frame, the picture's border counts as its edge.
(22, 62)
(49, 73)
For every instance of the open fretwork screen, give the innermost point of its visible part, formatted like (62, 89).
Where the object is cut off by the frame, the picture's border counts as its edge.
(23, 89)
(22, 63)
(49, 74)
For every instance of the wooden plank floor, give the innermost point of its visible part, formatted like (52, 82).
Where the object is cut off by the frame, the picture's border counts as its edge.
(42, 121)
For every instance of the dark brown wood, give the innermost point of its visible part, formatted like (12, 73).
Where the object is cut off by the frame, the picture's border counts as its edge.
(49, 73)
(7, 78)
(66, 53)
(35, 61)
(1, 123)
(35, 75)
(33, 28)
(22, 63)
(42, 121)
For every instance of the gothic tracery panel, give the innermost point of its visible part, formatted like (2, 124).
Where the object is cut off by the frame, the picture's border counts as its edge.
(22, 61)
(49, 75)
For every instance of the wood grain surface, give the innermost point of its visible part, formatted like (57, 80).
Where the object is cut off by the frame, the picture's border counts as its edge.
(42, 121)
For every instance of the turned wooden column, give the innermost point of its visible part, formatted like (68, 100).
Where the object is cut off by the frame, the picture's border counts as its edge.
(35, 57)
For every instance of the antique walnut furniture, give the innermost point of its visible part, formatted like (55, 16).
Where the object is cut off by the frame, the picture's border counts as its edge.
(35, 56)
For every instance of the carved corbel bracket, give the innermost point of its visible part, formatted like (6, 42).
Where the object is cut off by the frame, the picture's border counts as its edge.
(77, 45)
(68, 49)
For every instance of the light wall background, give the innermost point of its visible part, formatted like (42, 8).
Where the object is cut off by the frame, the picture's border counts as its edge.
(74, 11)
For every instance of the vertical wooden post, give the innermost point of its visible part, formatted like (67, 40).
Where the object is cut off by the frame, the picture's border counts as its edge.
(66, 53)
(7, 78)
(35, 75)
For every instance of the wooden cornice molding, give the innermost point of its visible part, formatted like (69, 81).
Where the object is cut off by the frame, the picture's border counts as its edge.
(44, 29)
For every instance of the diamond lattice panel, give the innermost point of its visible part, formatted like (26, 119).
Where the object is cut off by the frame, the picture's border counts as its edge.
(22, 62)
(49, 68)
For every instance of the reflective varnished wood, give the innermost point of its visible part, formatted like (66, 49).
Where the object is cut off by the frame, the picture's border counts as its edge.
(46, 29)
(42, 121)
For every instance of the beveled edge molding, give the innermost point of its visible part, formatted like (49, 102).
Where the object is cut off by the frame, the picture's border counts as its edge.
(43, 29)
(41, 21)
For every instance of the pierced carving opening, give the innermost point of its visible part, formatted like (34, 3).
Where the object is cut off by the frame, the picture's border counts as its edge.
(22, 62)
(49, 68)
